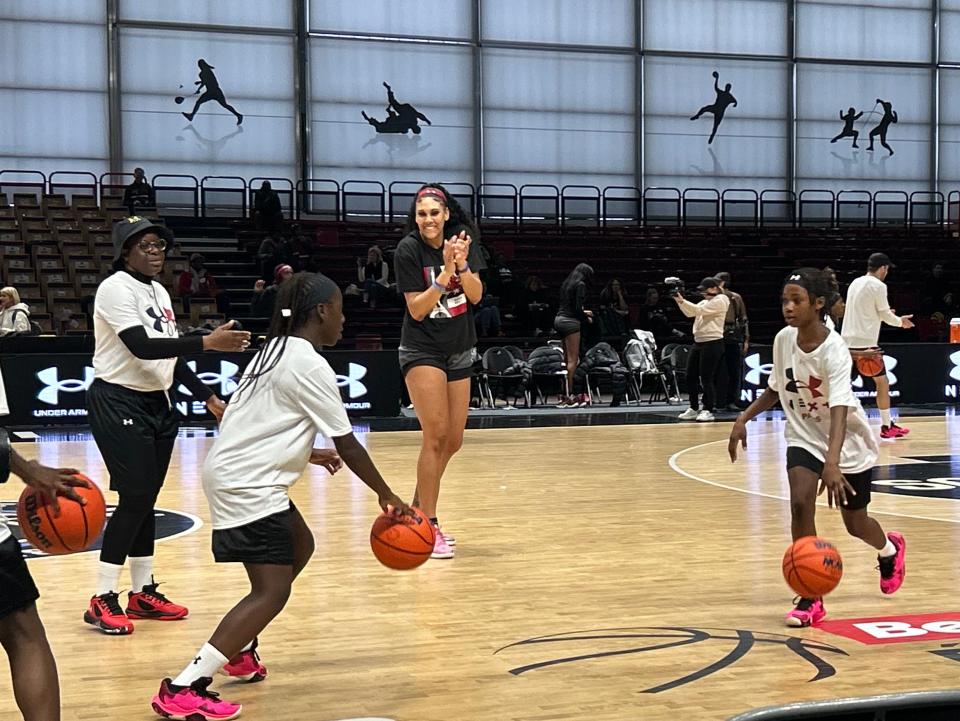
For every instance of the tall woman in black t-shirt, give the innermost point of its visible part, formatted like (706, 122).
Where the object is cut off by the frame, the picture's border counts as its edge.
(437, 267)
(570, 315)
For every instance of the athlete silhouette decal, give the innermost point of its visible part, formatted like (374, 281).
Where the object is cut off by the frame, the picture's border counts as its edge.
(210, 86)
(401, 117)
(848, 130)
(889, 117)
(724, 100)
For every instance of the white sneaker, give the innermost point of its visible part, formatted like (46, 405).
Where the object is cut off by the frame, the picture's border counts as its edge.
(688, 415)
(441, 548)
(705, 416)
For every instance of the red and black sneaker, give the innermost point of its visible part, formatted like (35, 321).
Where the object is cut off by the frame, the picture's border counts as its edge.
(105, 613)
(153, 605)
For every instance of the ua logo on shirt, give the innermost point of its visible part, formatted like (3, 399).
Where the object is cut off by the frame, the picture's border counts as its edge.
(160, 320)
(128, 421)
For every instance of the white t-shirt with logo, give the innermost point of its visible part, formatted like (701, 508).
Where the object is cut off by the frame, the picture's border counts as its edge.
(267, 433)
(809, 384)
(867, 308)
(123, 302)
(4, 410)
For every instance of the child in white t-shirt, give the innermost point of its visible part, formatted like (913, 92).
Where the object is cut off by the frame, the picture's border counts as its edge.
(287, 396)
(828, 438)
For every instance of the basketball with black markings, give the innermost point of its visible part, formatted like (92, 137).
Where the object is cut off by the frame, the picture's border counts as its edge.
(73, 530)
(812, 567)
(402, 543)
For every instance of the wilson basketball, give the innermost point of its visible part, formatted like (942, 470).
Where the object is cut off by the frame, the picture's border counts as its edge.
(73, 530)
(870, 365)
(812, 567)
(402, 544)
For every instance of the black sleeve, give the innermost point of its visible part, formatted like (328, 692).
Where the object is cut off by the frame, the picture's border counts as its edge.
(182, 373)
(407, 269)
(261, 304)
(581, 296)
(146, 348)
(6, 456)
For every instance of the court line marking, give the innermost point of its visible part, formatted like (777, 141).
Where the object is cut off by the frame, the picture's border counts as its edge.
(673, 463)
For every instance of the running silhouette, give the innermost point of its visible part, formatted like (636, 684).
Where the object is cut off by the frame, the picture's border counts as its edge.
(724, 100)
(848, 130)
(889, 116)
(211, 91)
(401, 117)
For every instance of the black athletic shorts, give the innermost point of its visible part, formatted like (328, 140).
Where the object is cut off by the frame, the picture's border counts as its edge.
(565, 325)
(862, 482)
(267, 540)
(861, 356)
(17, 589)
(135, 433)
(457, 366)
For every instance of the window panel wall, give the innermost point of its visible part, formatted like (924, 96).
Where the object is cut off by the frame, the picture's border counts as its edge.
(446, 19)
(749, 150)
(558, 118)
(62, 11)
(950, 129)
(255, 76)
(754, 27)
(950, 31)
(236, 13)
(883, 30)
(346, 80)
(54, 103)
(824, 91)
(565, 22)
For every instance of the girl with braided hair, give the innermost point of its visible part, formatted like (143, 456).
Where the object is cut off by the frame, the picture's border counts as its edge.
(437, 267)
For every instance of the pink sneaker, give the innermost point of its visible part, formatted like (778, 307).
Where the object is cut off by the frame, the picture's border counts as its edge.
(246, 666)
(898, 429)
(193, 702)
(887, 432)
(809, 612)
(441, 549)
(893, 568)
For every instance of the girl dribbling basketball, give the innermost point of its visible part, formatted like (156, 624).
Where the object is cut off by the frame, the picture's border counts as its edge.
(287, 395)
(828, 438)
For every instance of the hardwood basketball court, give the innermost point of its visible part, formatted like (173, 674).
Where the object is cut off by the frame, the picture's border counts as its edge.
(602, 573)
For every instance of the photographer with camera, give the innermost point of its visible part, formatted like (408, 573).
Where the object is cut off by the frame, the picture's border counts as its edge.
(736, 341)
(708, 315)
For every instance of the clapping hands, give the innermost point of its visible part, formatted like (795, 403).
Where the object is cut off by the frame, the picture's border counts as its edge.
(456, 251)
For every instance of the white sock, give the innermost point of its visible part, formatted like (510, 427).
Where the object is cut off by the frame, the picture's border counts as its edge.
(205, 665)
(108, 577)
(885, 416)
(249, 645)
(141, 572)
(888, 550)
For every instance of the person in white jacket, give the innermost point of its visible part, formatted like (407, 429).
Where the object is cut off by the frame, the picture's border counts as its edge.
(14, 315)
(707, 352)
(867, 308)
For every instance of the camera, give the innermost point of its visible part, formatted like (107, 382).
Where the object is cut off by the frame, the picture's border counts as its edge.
(674, 286)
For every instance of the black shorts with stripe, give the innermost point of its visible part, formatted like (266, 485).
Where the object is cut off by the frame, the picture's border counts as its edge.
(267, 540)
(17, 589)
(861, 482)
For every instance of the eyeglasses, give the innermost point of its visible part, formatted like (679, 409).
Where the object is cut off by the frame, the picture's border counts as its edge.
(148, 245)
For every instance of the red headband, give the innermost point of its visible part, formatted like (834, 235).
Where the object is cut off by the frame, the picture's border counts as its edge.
(433, 192)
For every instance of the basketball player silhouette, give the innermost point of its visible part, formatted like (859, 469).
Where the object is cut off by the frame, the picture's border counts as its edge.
(401, 117)
(719, 107)
(211, 87)
(848, 130)
(889, 116)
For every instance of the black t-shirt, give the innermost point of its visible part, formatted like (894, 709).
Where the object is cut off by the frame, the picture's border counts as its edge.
(571, 301)
(449, 327)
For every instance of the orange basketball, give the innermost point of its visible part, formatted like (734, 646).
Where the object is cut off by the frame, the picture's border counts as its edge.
(812, 567)
(402, 544)
(870, 365)
(73, 530)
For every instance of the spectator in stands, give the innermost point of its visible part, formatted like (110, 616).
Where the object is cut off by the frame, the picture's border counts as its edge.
(570, 319)
(836, 306)
(487, 316)
(534, 305)
(614, 310)
(499, 280)
(373, 275)
(702, 363)
(196, 282)
(939, 293)
(267, 209)
(14, 315)
(736, 341)
(264, 296)
(139, 194)
(653, 317)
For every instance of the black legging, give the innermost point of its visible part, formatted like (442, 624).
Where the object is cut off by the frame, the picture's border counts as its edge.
(701, 371)
(131, 529)
(732, 358)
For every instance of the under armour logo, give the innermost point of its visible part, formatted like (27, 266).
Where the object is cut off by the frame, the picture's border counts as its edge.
(224, 379)
(889, 362)
(53, 386)
(955, 372)
(355, 373)
(160, 320)
(756, 369)
(796, 276)
(128, 421)
(196, 660)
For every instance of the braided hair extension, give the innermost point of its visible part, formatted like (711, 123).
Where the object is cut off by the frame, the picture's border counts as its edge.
(296, 298)
(459, 216)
